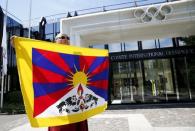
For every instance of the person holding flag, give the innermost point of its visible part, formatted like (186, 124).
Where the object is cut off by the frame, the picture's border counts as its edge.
(79, 126)
(62, 85)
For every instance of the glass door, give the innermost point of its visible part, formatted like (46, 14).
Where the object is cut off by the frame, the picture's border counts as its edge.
(158, 80)
(127, 82)
(120, 91)
(182, 77)
(136, 81)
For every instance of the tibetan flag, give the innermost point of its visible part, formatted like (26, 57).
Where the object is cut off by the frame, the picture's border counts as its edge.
(61, 84)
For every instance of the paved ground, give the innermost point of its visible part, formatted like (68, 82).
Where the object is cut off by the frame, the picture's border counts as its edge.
(123, 118)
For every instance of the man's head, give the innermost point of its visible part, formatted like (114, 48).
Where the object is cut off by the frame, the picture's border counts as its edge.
(62, 39)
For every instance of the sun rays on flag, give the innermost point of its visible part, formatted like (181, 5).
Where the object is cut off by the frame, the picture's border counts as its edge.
(79, 77)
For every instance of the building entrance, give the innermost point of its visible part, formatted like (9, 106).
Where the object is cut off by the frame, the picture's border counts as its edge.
(153, 75)
(142, 81)
(127, 82)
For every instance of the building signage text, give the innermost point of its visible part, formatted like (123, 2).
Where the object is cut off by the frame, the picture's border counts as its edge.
(152, 53)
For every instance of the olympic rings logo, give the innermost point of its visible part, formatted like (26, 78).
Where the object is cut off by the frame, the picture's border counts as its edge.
(153, 13)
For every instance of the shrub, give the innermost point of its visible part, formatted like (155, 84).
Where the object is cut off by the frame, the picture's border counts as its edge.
(13, 97)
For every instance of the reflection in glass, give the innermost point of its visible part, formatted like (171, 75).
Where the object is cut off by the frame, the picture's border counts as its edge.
(49, 28)
(165, 80)
(57, 27)
(149, 44)
(35, 28)
(130, 46)
(182, 78)
(166, 42)
(191, 73)
(186, 41)
(158, 80)
(127, 82)
(98, 46)
(181, 43)
(116, 47)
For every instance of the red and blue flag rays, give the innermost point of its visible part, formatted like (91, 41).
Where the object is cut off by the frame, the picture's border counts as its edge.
(55, 74)
(50, 79)
(97, 71)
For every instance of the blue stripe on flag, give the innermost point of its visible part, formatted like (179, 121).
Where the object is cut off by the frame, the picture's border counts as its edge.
(100, 76)
(41, 89)
(39, 60)
(71, 60)
(98, 61)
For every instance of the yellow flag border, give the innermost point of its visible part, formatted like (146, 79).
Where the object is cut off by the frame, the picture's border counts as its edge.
(24, 65)
(60, 48)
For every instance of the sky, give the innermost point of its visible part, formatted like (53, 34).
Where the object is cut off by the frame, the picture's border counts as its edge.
(20, 8)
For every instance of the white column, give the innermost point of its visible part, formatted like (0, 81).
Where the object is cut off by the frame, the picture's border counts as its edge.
(75, 39)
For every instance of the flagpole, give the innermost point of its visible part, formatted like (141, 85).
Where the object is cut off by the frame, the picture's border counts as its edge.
(30, 9)
(3, 73)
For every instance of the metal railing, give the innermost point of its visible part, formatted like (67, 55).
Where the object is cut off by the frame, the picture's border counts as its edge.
(118, 6)
(56, 17)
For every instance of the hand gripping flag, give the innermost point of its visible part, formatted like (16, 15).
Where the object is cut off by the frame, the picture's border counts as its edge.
(61, 84)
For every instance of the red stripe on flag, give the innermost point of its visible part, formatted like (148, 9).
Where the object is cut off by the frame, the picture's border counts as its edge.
(100, 68)
(43, 102)
(55, 58)
(41, 75)
(102, 84)
(86, 61)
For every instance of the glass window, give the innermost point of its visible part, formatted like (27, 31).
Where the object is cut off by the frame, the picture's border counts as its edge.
(149, 2)
(181, 42)
(182, 78)
(115, 47)
(99, 46)
(127, 82)
(167, 42)
(149, 44)
(58, 27)
(49, 28)
(129, 46)
(158, 80)
(191, 75)
(35, 28)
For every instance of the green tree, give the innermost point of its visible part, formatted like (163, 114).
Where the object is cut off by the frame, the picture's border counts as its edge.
(189, 40)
